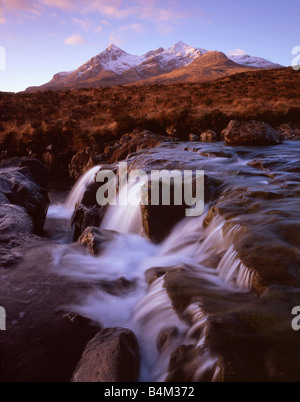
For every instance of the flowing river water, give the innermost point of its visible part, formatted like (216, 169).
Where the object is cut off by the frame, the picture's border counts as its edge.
(206, 254)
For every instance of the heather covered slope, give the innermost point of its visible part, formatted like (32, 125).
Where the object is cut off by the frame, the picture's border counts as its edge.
(57, 124)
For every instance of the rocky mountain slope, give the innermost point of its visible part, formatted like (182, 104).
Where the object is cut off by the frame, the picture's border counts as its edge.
(116, 67)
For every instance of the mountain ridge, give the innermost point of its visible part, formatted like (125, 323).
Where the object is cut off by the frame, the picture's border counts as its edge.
(114, 66)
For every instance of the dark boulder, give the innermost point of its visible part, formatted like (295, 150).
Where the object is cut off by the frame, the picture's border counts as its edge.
(40, 172)
(159, 220)
(84, 217)
(111, 356)
(16, 227)
(250, 133)
(18, 187)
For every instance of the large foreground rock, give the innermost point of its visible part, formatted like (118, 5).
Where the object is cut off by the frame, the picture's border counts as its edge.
(244, 337)
(41, 343)
(111, 356)
(19, 186)
(159, 220)
(16, 227)
(250, 133)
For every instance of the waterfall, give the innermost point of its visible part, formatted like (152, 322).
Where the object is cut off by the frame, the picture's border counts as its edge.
(231, 269)
(207, 253)
(205, 364)
(154, 314)
(64, 211)
(125, 216)
(78, 190)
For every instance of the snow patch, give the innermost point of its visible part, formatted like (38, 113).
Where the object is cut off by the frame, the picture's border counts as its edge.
(252, 61)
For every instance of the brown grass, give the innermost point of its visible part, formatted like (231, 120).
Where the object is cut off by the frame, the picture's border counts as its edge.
(93, 117)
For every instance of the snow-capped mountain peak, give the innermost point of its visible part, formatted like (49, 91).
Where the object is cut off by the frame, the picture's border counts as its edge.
(179, 55)
(118, 61)
(247, 60)
(131, 68)
(181, 49)
(113, 47)
(111, 59)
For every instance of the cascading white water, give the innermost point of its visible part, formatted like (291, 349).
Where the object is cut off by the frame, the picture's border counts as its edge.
(65, 210)
(231, 269)
(154, 314)
(125, 216)
(206, 252)
(205, 362)
(79, 188)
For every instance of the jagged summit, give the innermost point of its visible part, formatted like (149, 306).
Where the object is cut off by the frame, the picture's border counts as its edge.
(113, 47)
(181, 48)
(114, 66)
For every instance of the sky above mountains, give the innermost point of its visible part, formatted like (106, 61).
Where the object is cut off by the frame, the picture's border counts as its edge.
(42, 37)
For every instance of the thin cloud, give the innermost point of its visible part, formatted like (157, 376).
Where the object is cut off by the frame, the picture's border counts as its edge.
(29, 6)
(98, 29)
(137, 27)
(62, 4)
(85, 24)
(236, 52)
(117, 37)
(111, 9)
(2, 18)
(75, 39)
(165, 29)
(163, 16)
(105, 22)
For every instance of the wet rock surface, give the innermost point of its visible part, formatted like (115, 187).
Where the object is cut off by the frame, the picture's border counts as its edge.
(250, 133)
(84, 217)
(129, 144)
(111, 356)
(23, 207)
(247, 340)
(289, 131)
(42, 341)
(16, 227)
(193, 137)
(208, 136)
(158, 220)
(134, 142)
(80, 163)
(238, 323)
(96, 239)
(18, 187)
